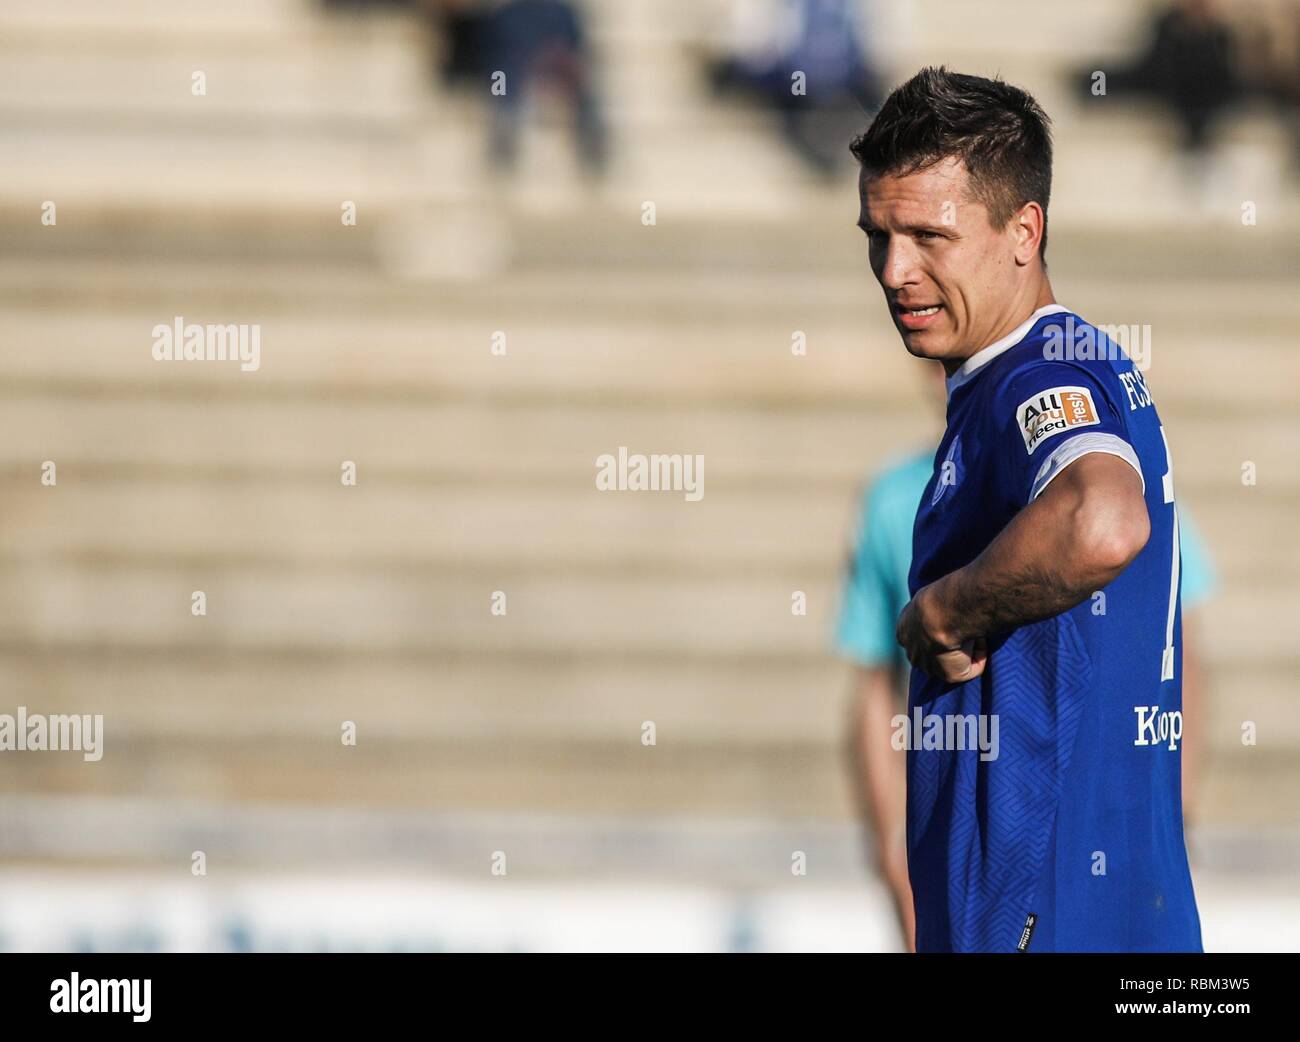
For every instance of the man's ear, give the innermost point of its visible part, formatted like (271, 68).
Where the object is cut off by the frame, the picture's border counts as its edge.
(1027, 225)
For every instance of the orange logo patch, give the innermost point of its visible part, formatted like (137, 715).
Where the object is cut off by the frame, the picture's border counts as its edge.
(1054, 411)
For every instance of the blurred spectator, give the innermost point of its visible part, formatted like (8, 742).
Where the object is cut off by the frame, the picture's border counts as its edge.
(1198, 585)
(875, 593)
(805, 60)
(538, 44)
(1187, 65)
(1269, 54)
(512, 49)
(463, 26)
(362, 5)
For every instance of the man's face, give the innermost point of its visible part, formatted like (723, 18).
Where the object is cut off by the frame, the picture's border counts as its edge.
(949, 276)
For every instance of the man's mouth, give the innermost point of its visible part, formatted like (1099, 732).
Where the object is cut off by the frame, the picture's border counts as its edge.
(917, 317)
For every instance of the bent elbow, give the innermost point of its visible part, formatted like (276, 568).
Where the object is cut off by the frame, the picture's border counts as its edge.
(1117, 536)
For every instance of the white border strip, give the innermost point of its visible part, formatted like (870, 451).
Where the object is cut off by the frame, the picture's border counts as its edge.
(1080, 445)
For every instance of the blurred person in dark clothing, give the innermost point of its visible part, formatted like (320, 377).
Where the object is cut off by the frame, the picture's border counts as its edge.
(1269, 59)
(536, 44)
(813, 70)
(463, 26)
(1188, 65)
(515, 48)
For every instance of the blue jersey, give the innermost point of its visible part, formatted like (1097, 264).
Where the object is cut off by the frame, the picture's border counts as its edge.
(1043, 797)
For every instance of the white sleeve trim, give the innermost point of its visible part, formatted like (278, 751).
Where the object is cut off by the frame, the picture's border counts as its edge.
(1080, 445)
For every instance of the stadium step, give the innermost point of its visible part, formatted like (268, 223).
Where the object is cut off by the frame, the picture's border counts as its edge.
(476, 472)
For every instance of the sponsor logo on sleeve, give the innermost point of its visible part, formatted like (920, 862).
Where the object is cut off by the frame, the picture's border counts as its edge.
(1051, 412)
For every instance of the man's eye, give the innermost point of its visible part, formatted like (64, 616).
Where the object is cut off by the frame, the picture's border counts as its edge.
(927, 235)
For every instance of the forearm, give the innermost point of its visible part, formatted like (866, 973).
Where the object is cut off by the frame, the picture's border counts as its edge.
(1016, 581)
(880, 784)
(1194, 730)
(878, 767)
(1071, 541)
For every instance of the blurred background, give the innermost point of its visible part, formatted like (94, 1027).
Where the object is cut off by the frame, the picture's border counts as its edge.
(647, 241)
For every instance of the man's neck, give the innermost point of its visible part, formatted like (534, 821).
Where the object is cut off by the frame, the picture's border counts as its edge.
(1016, 317)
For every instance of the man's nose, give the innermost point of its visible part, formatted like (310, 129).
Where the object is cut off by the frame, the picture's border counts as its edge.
(898, 267)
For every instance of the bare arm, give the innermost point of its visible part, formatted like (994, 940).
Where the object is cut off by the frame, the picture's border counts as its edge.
(879, 780)
(1073, 539)
(1194, 708)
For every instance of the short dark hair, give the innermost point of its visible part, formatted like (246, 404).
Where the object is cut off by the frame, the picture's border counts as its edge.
(998, 131)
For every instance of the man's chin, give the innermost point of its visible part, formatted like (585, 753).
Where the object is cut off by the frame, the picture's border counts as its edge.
(924, 344)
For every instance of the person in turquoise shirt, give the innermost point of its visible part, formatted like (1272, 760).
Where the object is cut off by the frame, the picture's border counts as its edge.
(875, 593)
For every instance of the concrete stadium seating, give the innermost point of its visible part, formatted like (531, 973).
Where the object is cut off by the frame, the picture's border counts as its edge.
(371, 603)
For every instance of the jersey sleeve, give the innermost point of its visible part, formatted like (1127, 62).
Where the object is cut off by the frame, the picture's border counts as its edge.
(1051, 414)
(865, 632)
